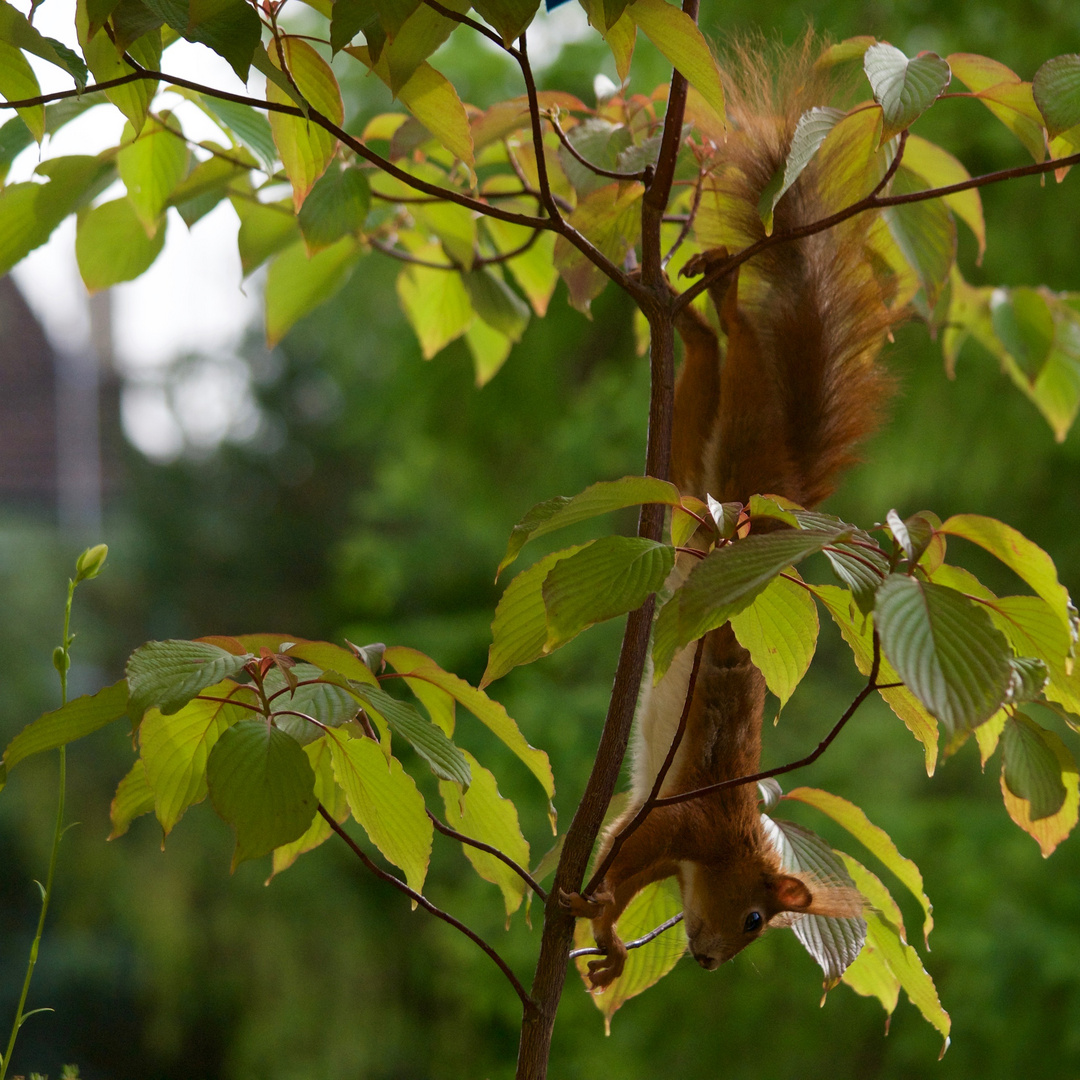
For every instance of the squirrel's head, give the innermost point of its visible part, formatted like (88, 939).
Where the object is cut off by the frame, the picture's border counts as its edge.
(729, 906)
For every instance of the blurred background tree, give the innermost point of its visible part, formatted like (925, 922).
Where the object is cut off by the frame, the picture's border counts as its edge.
(372, 502)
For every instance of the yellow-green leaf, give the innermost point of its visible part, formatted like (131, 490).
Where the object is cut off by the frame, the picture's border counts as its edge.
(647, 965)
(1048, 832)
(305, 148)
(677, 36)
(483, 814)
(175, 748)
(488, 712)
(111, 244)
(296, 285)
(329, 795)
(133, 798)
(436, 305)
(940, 169)
(151, 167)
(384, 800)
(779, 630)
(18, 82)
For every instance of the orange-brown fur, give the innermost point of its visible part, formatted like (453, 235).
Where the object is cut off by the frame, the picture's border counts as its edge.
(796, 390)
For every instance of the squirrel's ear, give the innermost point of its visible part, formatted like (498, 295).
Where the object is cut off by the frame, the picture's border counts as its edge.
(790, 893)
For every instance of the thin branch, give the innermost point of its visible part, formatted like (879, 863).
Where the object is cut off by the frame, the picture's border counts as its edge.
(890, 172)
(652, 935)
(501, 855)
(404, 256)
(578, 157)
(643, 811)
(547, 197)
(689, 220)
(506, 256)
(870, 202)
(863, 694)
(427, 905)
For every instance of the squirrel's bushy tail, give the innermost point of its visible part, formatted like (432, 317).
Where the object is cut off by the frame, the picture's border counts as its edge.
(799, 386)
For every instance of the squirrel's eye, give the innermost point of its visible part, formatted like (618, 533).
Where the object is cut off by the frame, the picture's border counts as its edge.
(753, 922)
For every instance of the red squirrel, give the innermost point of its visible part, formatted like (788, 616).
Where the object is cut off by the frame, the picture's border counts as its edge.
(797, 388)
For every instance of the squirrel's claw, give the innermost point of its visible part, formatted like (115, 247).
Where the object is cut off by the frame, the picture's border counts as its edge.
(581, 908)
(605, 970)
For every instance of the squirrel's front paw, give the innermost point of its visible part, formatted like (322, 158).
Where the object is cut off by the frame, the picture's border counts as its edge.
(581, 908)
(604, 971)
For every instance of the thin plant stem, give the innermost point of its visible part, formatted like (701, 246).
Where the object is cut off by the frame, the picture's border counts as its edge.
(62, 661)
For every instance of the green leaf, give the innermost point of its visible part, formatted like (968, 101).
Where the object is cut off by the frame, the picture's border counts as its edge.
(832, 942)
(913, 535)
(653, 906)
(15, 137)
(29, 212)
(133, 798)
(204, 187)
(77, 718)
(131, 19)
(175, 747)
(609, 577)
(436, 305)
(386, 803)
(431, 98)
(875, 839)
(938, 168)
(261, 783)
(296, 284)
(676, 35)
(945, 648)
(329, 657)
(726, 581)
(15, 30)
(509, 17)
(1024, 558)
(519, 630)
(780, 630)
(488, 712)
(151, 167)
(1030, 768)
(885, 939)
(337, 206)
(265, 229)
(331, 705)
(111, 245)
(611, 219)
(534, 269)
(18, 82)
(329, 795)
(428, 739)
(1024, 323)
(810, 132)
(489, 349)
(598, 141)
(496, 303)
(168, 674)
(251, 128)
(132, 99)
(601, 498)
(1049, 831)
(1056, 88)
(924, 232)
(1001, 90)
(858, 633)
(304, 147)
(230, 27)
(904, 88)
(1029, 678)
(483, 814)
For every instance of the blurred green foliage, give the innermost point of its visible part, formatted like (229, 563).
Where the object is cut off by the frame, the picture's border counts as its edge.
(374, 503)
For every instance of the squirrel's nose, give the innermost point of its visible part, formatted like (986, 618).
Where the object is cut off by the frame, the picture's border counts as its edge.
(709, 963)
